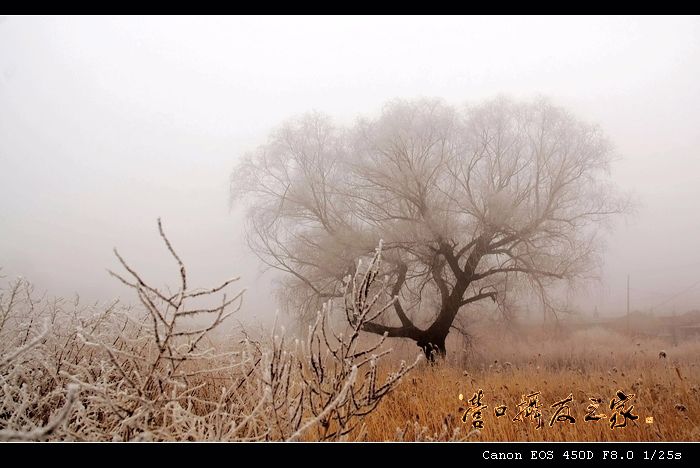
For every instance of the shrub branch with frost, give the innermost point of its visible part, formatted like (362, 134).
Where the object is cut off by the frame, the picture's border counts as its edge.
(74, 372)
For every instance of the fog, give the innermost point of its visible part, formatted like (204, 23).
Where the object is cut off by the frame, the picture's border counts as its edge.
(107, 123)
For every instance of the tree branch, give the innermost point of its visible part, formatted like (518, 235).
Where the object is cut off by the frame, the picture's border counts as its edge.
(530, 271)
(400, 280)
(479, 297)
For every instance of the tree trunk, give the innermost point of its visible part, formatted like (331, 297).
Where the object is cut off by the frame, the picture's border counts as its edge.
(433, 346)
(432, 340)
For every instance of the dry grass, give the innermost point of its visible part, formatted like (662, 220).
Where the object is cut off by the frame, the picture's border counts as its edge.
(592, 365)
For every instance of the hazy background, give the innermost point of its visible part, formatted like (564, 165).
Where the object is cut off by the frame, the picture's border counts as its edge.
(108, 123)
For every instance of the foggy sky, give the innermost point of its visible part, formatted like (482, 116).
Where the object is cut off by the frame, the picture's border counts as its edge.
(108, 123)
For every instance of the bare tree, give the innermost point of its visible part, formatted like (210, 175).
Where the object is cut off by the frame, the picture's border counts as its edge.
(465, 200)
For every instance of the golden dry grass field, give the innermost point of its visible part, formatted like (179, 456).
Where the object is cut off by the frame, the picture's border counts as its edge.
(586, 365)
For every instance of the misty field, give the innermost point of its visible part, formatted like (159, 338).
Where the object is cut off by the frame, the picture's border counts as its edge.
(73, 372)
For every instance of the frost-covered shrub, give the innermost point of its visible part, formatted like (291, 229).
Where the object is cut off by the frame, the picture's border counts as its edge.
(154, 372)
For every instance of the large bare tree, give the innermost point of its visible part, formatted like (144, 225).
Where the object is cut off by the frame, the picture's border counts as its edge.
(464, 199)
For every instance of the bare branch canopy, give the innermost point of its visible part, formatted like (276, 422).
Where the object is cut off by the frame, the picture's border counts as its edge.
(461, 197)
